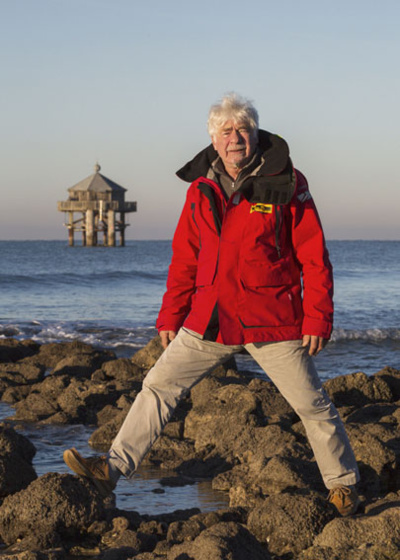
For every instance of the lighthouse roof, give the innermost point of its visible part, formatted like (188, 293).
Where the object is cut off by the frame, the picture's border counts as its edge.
(97, 183)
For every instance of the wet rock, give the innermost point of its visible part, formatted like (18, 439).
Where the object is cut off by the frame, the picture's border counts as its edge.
(12, 350)
(289, 523)
(16, 454)
(53, 510)
(224, 541)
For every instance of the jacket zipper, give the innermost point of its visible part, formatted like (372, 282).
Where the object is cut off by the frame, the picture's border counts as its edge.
(278, 223)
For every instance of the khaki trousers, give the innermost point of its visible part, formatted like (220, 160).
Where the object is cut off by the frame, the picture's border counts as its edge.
(189, 358)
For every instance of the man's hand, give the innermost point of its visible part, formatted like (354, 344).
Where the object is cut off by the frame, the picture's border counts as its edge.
(166, 337)
(315, 343)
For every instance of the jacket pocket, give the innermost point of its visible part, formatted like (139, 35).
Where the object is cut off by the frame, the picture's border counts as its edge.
(259, 273)
(269, 298)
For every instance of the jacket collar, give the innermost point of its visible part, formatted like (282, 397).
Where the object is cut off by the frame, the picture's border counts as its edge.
(275, 180)
(275, 153)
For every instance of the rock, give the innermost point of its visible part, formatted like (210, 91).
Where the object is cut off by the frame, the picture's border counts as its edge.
(52, 386)
(358, 389)
(53, 510)
(272, 405)
(12, 350)
(391, 376)
(104, 435)
(378, 462)
(226, 420)
(16, 454)
(123, 369)
(25, 371)
(387, 551)
(181, 531)
(224, 541)
(52, 354)
(357, 531)
(81, 365)
(52, 554)
(35, 408)
(41, 401)
(121, 539)
(170, 453)
(289, 523)
(146, 357)
(13, 395)
(81, 400)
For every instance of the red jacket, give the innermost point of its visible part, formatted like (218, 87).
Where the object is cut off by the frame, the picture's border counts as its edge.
(257, 261)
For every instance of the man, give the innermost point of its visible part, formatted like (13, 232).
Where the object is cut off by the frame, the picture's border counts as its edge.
(250, 269)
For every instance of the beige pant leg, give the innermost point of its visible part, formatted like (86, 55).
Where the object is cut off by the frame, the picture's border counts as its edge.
(293, 372)
(184, 363)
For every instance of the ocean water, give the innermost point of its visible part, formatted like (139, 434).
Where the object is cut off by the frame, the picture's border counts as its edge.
(110, 297)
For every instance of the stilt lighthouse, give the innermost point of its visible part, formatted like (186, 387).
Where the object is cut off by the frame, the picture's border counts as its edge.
(101, 208)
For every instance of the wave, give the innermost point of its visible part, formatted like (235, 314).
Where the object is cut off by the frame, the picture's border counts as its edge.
(366, 335)
(125, 332)
(76, 279)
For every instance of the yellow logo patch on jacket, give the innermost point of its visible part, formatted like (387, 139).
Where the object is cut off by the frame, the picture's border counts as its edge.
(263, 208)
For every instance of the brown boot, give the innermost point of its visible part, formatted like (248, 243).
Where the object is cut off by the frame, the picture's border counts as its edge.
(96, 468)
(345, 499)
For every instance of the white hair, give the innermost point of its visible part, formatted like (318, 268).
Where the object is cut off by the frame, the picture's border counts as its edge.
(235, 108)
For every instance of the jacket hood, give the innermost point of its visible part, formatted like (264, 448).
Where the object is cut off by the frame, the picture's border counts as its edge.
(275, 179)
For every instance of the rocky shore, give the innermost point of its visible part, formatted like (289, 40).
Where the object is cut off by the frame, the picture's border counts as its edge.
(232, 428)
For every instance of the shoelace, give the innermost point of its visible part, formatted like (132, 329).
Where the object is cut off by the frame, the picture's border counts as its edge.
(341, 492)
(98, 465)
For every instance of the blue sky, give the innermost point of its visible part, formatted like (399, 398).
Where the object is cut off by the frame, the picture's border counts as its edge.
(129, 83)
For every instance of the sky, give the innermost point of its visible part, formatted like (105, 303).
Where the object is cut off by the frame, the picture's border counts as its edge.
(128, 84)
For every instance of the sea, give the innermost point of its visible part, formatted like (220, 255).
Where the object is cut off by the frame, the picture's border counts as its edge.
(110, 297)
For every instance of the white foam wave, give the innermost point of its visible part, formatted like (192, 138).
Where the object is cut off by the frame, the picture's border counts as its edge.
(373, 335)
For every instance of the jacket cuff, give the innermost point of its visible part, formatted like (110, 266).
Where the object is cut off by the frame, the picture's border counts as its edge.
(168, 326)
(316, 327)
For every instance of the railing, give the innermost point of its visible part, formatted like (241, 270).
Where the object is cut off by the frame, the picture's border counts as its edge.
(82, 206)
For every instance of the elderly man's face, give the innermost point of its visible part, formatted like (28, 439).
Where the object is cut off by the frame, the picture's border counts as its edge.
(235, 144)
